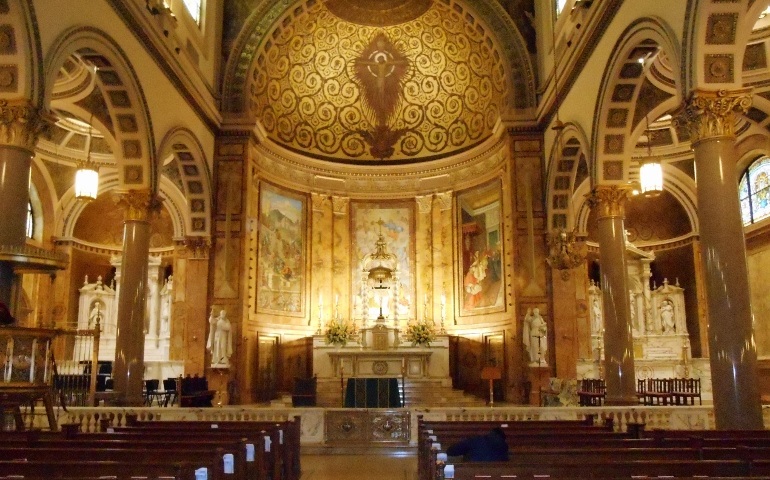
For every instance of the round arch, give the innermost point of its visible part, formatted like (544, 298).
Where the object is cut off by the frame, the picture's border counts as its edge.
(193, 170)
(619, 111)
(123, 95)
(568, 169)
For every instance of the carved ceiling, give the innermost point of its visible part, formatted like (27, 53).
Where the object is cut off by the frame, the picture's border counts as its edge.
(339, 80)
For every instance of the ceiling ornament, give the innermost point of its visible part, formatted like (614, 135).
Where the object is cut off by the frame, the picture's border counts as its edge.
(341, 91)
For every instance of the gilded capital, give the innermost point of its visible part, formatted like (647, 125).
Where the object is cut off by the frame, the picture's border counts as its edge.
(340, 205)
(609, 199)
(710, 114)
(424, 203)
(20, 123)
(444, 200)
(139, 204)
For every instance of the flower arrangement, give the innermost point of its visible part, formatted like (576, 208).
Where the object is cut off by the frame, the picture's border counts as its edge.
(338, 333)
(421, 333)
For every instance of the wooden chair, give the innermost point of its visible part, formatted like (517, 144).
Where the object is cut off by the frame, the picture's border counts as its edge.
(686, 390)
(591, 392)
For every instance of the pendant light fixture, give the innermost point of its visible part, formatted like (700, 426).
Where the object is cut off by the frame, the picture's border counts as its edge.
(87, 174)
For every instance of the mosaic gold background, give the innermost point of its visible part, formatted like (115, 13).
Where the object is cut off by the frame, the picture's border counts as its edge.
(304, 94)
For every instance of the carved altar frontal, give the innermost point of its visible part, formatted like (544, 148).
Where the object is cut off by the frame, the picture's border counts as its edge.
(367, 426)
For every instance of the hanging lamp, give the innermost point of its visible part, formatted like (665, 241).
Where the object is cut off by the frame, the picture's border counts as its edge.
(87, 174)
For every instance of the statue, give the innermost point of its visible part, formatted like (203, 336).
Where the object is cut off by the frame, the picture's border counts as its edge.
(597, 310)
(667, 317)
(95, 315)
(220, 339)
(535, 337)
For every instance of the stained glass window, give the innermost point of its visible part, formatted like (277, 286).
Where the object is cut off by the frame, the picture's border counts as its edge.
(194, 7)
(30, 221)
(754, 191)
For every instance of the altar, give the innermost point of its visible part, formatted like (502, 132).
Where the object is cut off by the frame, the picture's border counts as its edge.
(380, 352)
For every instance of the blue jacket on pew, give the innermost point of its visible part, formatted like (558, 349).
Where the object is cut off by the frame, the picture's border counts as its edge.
(486, 448)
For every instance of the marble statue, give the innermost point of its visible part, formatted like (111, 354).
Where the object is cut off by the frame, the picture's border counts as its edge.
(535, 337)
(667, 322)
(597, 314)
(220, 342)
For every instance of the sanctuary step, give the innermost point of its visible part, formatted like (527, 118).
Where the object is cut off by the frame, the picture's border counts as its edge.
(423, 392)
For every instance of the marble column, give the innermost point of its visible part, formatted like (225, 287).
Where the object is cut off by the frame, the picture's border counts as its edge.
(128, 370)
(618, 339)
(20, 125)
(710, 116)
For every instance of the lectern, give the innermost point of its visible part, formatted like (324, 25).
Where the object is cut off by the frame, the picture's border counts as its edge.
(491, 374)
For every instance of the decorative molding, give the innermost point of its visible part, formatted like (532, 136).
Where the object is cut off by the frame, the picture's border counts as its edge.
(20, 124)
(444, 201)
(710, 114)
(139, 204)
(610, 200)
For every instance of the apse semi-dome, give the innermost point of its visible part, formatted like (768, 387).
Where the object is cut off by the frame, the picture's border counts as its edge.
(394, 80)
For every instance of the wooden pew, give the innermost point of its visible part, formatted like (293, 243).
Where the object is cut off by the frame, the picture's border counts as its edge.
(61, 469)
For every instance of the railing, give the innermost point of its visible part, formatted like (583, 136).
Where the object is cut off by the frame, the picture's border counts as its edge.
(77, 354)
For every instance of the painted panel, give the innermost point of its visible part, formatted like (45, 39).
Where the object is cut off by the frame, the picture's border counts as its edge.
(281, 258)
(480, 250)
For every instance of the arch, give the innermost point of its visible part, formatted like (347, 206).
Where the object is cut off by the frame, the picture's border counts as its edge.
(266, 14)
(195, 178)
(568, 158)
(21, 71)
(618, 111)
(123, 95)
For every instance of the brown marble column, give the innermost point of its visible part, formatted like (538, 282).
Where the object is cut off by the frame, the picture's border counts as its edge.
(733, 354)
(128, 371)
(20, 124)
(618, 340)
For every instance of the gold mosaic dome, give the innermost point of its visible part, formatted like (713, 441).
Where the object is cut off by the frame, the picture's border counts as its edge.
(371, 81)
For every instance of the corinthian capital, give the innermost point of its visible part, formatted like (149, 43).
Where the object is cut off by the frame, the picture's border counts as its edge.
(139, 204)
(20, 123)
(710, 114)
(609, 199)
(197, 247)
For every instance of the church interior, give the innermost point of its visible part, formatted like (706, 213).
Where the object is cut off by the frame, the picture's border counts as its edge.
(551, 205)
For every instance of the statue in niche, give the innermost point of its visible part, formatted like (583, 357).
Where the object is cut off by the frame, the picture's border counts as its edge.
(667, 322)
(96, 314)
(597, 310)
(220, 342)
(535, 337)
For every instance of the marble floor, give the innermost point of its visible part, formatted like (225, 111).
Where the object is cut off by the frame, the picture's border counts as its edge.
(379, 466)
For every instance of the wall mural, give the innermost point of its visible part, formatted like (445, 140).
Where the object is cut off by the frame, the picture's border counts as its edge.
(480, 236)
(281, 256)
(397, 228)
(340, 90)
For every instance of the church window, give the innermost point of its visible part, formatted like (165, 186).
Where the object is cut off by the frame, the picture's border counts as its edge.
(194, 7)
(754, 191)
(30, 220)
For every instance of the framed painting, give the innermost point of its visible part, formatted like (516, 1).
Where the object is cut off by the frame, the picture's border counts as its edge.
(480, 235)
(396, 222)
(281, 257)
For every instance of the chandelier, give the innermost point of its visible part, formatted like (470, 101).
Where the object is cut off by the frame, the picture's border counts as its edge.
(87, 174)
(564, 253)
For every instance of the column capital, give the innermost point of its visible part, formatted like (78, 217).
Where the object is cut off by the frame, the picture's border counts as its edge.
(20, 123)
(340, 205)
(139, 204)
(424, 203)
(610, 199)
(197, 247)
(444, 200)
(711, 113)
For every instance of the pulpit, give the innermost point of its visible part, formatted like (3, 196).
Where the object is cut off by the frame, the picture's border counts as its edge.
(26, 356)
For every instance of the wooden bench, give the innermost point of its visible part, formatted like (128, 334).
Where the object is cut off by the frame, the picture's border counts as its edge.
(655, 391)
